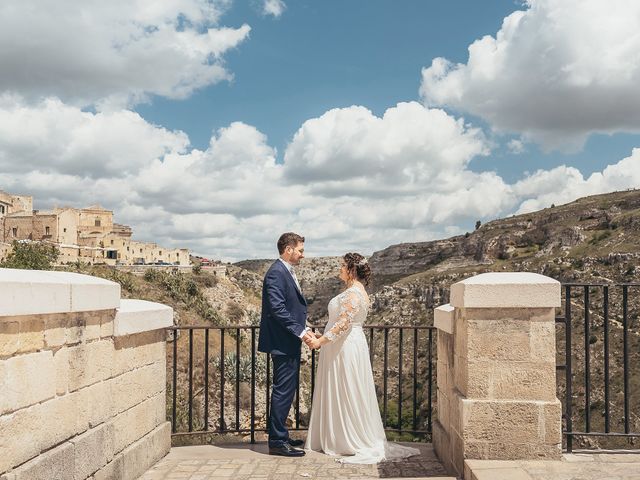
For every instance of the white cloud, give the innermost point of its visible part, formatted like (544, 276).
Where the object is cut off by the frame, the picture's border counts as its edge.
(113, 53)
(555, 73)
(350, 181)
(515, 146)
(273, 7)
(350, 151)
(564, 184)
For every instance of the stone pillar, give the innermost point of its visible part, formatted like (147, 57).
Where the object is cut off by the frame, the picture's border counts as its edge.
(83, 379)
(497, 370)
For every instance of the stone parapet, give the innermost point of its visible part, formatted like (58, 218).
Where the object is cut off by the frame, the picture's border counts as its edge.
(83, 376)
(496, 370)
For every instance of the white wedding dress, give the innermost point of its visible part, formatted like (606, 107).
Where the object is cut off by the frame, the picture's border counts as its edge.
(345, 417)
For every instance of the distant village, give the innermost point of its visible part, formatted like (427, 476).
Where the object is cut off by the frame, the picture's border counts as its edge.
(88, 235)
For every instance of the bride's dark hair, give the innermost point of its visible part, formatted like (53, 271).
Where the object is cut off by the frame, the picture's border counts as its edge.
(358, 266)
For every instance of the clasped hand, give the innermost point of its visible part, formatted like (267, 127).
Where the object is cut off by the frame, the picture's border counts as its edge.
(311, 340)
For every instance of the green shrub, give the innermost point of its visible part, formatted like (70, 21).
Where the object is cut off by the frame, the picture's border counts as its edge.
(31, 256)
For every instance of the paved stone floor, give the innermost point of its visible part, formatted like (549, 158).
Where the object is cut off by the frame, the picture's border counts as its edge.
(245, 461)
(601, 466)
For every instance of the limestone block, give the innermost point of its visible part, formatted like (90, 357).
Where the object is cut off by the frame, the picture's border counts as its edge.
(61, 419)
(506, 290)
(472, 382)
(106, 328)
(87, 326)
(56, 292)
(55, 464)
(114, 470)
(98, 400)
(512, 451)
(543, 341)
(460, 339)
(61, 366)
(17, 444)
(55, 329)
(501, 421)
(442, 445)
(90, 363)
(146, 451)
(444, 411)
(9, 337)
(552, 422)
(135, 423)
(444, 346)
(136, 316)
(514, 315)
(443, 318)
(92, 321)
(133, 351)
(26, 380)
(514, 380)
(501, 340)
(93, 450)
(133, 387)
(21, 334)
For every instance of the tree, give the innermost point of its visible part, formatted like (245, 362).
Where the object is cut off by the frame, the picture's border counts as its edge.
(31, 256)
(478, 223)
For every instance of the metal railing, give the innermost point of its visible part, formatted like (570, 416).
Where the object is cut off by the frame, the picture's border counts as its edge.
(588, 310)
(214, 400)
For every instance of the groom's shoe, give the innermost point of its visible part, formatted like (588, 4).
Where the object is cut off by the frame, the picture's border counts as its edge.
(286, 450)
(295, 443)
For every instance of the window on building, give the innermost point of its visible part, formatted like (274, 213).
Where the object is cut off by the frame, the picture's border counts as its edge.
(14, 231)
(64, 230)
(112, 242)
(140, 250)
(97, 222)
(47, 231)
(1, 208)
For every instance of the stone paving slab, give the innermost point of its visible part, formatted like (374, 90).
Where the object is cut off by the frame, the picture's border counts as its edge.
(577, 466)
(246, 461)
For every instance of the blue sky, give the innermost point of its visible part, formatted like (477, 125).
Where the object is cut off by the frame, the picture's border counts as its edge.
(217, 124)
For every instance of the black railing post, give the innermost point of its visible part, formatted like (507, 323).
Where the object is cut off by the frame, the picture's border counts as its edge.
(191, 379)
(238, 379)
(415, 378)
(568, 406)
(400, 379)
(253, 385)
(222, 426)
(206, 379)
(385, 374)
(430, 380)
(625, 354)
(174, 381)
(587, 362)
(606, 359)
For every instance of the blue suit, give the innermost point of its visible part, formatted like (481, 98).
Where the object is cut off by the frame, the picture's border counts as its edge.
(284, 316)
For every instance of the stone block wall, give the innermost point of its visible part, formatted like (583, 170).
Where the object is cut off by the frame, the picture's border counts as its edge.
(496, 370)
(82, 379)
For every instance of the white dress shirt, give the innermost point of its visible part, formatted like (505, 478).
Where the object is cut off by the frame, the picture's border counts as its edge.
(292, 272)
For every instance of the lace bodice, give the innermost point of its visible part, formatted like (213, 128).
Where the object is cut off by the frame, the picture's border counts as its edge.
(346, 310)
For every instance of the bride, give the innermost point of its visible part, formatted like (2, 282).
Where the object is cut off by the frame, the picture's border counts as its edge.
(345, 417)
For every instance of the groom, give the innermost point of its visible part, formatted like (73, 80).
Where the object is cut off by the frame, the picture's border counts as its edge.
(282, 328)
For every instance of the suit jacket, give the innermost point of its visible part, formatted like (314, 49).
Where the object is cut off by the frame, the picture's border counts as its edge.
(284, 313)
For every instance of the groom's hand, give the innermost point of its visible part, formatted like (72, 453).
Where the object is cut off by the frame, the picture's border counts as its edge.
(308, 339)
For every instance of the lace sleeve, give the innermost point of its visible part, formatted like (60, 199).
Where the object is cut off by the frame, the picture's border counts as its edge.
(349, 306)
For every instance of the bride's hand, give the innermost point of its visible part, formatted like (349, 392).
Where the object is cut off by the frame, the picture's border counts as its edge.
(314, 344)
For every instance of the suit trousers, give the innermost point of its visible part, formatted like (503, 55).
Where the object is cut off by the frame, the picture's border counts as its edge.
(286, 374)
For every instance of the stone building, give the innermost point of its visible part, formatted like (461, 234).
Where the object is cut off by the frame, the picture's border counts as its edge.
(88, 234)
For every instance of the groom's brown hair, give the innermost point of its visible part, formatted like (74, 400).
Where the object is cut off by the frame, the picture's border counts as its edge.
(288, 239)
